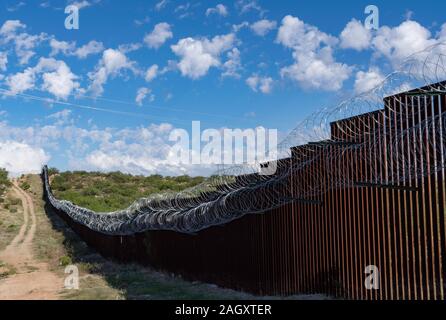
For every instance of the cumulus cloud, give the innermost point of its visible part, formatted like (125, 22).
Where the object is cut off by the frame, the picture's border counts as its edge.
(3, 61)
(151, 73)
(262, 27)
(262, 84)
(367, 80)
(159, 35)
(399, 42)
(19, 158)
(355, 36)
(10, 27)
(21, 81)
(92, 47)
(199, 55)
(138, 150)
(24, 43)
(218, 9)
(314, 66)
(112, 63)
(141, 94)
(70, 49)
(57, 78)
(233, 64)
(61, 47)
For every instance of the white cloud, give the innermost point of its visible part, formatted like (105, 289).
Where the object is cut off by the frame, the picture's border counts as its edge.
(262, 27)
(61, 46)
(218, 9)
(80, 4)
(10, 27)
(233, 65)
(111, 64)
(264, 84)
(355, 36)
(160, 34)
(58, 80)
(151, 73)
(314, 66)
(69, 48)
(183, 10)
(3, 61)
(61, 117)
(317, 71)
(368, 80)
(141, 94)
(296, 34)
(398, 43)
(21, 81)
(237, 27)
(92, 47)
(245, 6)
(160, 5)
(23, 42)
(138, 150)
(199, 55)
(19, 158)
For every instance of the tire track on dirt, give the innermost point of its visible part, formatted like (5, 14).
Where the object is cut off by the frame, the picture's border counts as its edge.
(33, 280)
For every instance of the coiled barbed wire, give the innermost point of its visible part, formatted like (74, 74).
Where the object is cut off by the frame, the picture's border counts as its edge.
(357, 142)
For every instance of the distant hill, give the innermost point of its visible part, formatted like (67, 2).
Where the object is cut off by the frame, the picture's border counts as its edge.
(112, 191)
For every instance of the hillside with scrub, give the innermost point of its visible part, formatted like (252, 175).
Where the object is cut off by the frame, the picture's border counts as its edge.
(112, 191)
(4, 181)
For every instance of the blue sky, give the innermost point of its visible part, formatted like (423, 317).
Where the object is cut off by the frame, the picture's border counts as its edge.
(152, 66)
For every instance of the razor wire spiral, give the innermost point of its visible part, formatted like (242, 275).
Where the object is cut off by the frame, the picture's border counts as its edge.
(322, 153)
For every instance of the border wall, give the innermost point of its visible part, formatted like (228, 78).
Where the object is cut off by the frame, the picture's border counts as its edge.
(324, 243)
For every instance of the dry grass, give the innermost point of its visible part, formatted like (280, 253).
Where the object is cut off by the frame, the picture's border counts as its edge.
(11, 218)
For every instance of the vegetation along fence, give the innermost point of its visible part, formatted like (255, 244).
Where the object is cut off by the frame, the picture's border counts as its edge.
(371, 194)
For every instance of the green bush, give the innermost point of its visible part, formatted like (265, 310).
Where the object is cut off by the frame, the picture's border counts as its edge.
(115, 190)
(25, 185)
(4, 181)
(65, 261)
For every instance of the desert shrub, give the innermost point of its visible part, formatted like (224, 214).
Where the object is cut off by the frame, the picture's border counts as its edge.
(4, 181)
(25, 185)
(65, 261)
(115, 190)
(52, 171)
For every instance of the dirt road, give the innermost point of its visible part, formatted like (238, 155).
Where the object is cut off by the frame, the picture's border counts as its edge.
(32, 280)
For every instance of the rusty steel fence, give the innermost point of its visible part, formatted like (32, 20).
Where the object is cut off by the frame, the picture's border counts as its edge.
(389, 212)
